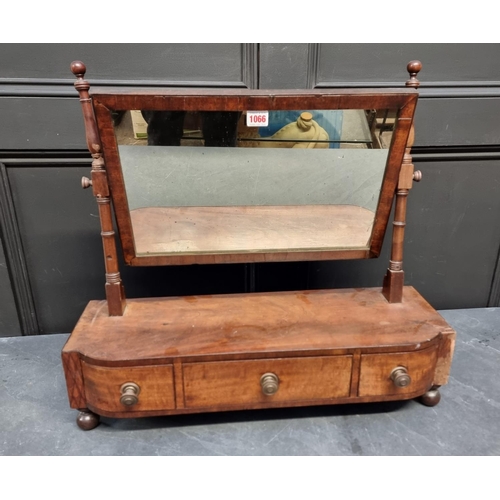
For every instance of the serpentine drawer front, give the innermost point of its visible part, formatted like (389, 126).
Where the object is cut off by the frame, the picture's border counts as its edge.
(266, 381)
(132, 388)
(402, 373)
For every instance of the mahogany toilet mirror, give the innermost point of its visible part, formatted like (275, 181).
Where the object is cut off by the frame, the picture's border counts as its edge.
(313, 177)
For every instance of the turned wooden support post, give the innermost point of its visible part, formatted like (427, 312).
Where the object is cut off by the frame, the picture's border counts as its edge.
(394, 278)
(115, 293)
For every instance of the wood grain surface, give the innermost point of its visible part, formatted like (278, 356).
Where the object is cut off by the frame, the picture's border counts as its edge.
(102, 387)
(256, 325)
(237, 382)
(376, 369)
(246, 229)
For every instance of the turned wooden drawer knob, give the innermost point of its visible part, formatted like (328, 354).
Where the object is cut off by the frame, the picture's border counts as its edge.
(269, 383)
(130, 394)
(400, 377)
(86, 182)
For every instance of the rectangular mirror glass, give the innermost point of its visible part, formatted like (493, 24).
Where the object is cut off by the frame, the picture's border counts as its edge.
(237, 175)
(218, 182)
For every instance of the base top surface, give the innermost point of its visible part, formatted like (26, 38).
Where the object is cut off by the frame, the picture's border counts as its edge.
(238, 324)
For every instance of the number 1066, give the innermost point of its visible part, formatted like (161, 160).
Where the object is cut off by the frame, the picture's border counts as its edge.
(257, 118)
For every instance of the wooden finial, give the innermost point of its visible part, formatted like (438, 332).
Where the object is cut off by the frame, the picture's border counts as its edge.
(83, 87)
(413, 68)
(78, 69)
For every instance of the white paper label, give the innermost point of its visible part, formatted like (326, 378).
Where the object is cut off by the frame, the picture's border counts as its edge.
(257, 118)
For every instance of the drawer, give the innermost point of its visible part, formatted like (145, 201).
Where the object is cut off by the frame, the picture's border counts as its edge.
(375, 373)
(239, 382)
(103, 387)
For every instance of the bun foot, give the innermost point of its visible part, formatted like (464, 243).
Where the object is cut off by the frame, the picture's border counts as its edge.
(87, 420)
(431, 397)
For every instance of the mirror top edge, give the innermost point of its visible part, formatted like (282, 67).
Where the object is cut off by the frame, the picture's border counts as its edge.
(98, 92)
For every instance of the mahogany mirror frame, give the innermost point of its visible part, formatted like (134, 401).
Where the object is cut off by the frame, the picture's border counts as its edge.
(108, 100)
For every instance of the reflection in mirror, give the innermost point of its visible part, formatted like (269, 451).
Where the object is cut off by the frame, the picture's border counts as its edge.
(253, 182)
(352, 128)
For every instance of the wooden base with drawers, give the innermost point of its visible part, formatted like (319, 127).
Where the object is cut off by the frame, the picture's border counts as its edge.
(146, 357)
(213, 353)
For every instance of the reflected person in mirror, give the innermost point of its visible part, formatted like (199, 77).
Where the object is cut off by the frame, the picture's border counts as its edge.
(165, 128)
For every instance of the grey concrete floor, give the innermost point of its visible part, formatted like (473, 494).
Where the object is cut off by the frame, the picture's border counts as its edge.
(35, 418)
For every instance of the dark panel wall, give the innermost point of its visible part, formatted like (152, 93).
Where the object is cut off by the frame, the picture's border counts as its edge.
(453, 233)
(444, 64)
(9, 322)
(285, 65)
(60, 233)
(460, 83)
(55, 221)
(453, 236)
(29, 123)
(459, 121)
(36, 83)
(59, 266)
(361, 65)
(132, 63)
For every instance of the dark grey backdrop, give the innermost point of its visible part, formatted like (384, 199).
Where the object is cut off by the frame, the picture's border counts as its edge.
(51, 258)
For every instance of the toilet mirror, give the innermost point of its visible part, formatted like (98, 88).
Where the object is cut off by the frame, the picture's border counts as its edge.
(242, 176)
